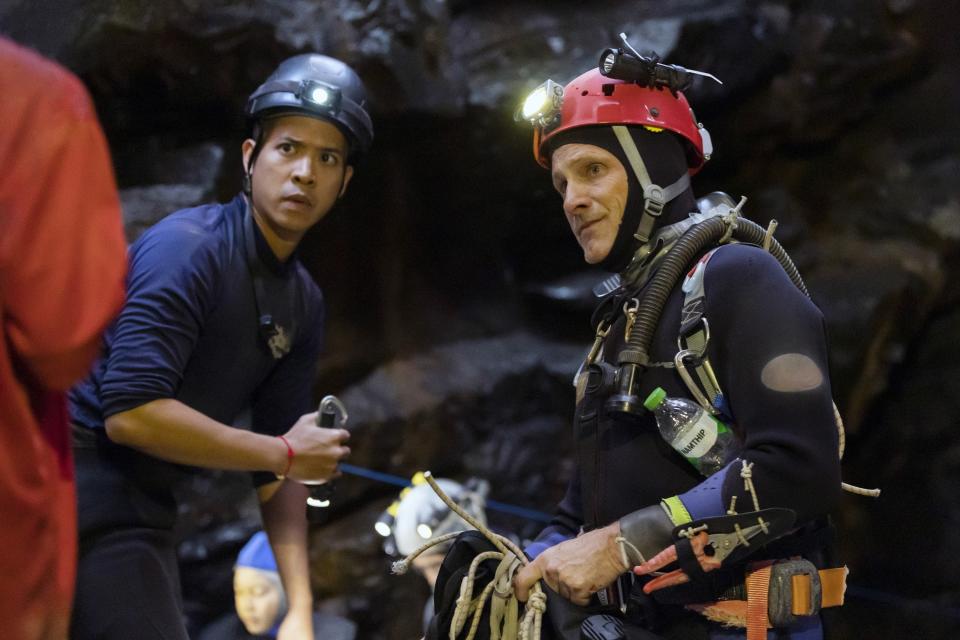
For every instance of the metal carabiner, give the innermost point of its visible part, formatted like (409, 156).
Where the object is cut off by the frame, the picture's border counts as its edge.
(602, 332)
(322, 411)
(688, 380)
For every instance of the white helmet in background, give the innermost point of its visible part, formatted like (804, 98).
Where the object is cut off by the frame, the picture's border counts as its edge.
(420, 515)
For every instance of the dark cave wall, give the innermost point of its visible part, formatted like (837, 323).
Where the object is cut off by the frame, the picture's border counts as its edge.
(836, 118)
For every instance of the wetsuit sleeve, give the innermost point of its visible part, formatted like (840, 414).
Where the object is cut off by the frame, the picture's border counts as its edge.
(171, 288)
(62, 250)
(287, 393)
(769, 350)
(566, 521)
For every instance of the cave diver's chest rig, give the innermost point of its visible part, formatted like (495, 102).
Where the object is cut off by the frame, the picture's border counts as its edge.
(690, 361)
(772, 593)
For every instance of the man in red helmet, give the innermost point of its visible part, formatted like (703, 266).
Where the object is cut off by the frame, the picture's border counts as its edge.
(752, 353)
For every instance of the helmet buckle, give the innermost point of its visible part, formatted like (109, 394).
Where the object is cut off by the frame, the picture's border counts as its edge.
(655, 199)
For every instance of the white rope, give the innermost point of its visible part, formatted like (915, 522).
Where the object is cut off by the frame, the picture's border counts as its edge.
(746, 472)
(625, 557)
(768, 236)
(507, 552)
(400, 567)
(842, 444)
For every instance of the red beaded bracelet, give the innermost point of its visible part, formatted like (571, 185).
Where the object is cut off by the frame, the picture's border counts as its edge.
(289, 458)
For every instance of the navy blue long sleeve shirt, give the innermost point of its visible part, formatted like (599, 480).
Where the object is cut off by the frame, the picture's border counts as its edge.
(199, 282)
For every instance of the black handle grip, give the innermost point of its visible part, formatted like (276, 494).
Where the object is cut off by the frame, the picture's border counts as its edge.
(328, 417)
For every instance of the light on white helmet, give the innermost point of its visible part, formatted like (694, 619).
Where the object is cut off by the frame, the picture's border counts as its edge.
(424, 531)
(382, 528)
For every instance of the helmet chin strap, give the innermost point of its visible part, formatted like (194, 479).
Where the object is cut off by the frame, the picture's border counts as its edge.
(655, 197)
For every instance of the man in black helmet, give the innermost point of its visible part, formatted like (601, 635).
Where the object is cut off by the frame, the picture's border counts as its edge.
(220, 318)
(727, 328)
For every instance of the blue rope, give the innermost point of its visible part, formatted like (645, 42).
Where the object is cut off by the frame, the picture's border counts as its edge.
(523, 512)
(374, 475)
(503, 507)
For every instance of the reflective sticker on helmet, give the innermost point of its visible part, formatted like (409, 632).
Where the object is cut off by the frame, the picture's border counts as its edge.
(653, 129)
(791, 372)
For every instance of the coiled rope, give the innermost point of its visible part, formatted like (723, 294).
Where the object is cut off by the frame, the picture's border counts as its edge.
(505, 620)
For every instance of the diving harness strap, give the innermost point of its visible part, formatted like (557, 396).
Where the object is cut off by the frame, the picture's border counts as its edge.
(655, 197)
(638, 272)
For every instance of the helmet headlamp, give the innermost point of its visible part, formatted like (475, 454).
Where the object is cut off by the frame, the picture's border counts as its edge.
(630, 66)
(320, 95)
(542, 106)
(608, 61)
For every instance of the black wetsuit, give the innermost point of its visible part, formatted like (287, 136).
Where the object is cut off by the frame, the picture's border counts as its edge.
(785, 420)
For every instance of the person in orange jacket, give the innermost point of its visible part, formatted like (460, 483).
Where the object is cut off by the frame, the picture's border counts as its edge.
(62, 266)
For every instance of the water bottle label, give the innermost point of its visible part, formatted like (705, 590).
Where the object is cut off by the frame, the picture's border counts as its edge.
(698, 439)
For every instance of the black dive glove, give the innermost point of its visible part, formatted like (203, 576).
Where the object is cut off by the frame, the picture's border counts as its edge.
(645, 532)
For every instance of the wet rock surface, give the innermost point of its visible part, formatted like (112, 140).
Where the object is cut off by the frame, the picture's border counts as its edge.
(452, 281)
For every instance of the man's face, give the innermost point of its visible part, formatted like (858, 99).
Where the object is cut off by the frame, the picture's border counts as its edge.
(298, 175)
(257, 598)
(593, 185)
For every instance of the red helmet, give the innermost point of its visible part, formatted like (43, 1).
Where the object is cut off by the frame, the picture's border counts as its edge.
(594, 99)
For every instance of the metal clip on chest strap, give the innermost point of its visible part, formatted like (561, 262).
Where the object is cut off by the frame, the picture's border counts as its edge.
(692, 350)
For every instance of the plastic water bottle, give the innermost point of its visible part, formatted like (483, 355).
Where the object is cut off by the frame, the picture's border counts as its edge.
(707, 443)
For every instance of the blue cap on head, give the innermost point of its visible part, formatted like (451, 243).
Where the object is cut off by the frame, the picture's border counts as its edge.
(257, 554)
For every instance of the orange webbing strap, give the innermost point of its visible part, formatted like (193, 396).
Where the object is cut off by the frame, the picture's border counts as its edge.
(537, 137)
(833, 584)
(753, 613)
(758, 586)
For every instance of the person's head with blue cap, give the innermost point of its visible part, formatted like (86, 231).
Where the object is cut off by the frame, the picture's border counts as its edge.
(258, 592)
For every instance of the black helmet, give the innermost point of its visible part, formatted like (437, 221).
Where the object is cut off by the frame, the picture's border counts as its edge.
(320, 87)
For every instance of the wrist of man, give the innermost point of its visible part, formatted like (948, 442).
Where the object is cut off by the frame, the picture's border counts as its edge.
(613, 547)
(280, 456)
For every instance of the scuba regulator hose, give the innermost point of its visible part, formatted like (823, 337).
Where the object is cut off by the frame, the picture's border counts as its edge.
(635, 355)
(674, 265)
